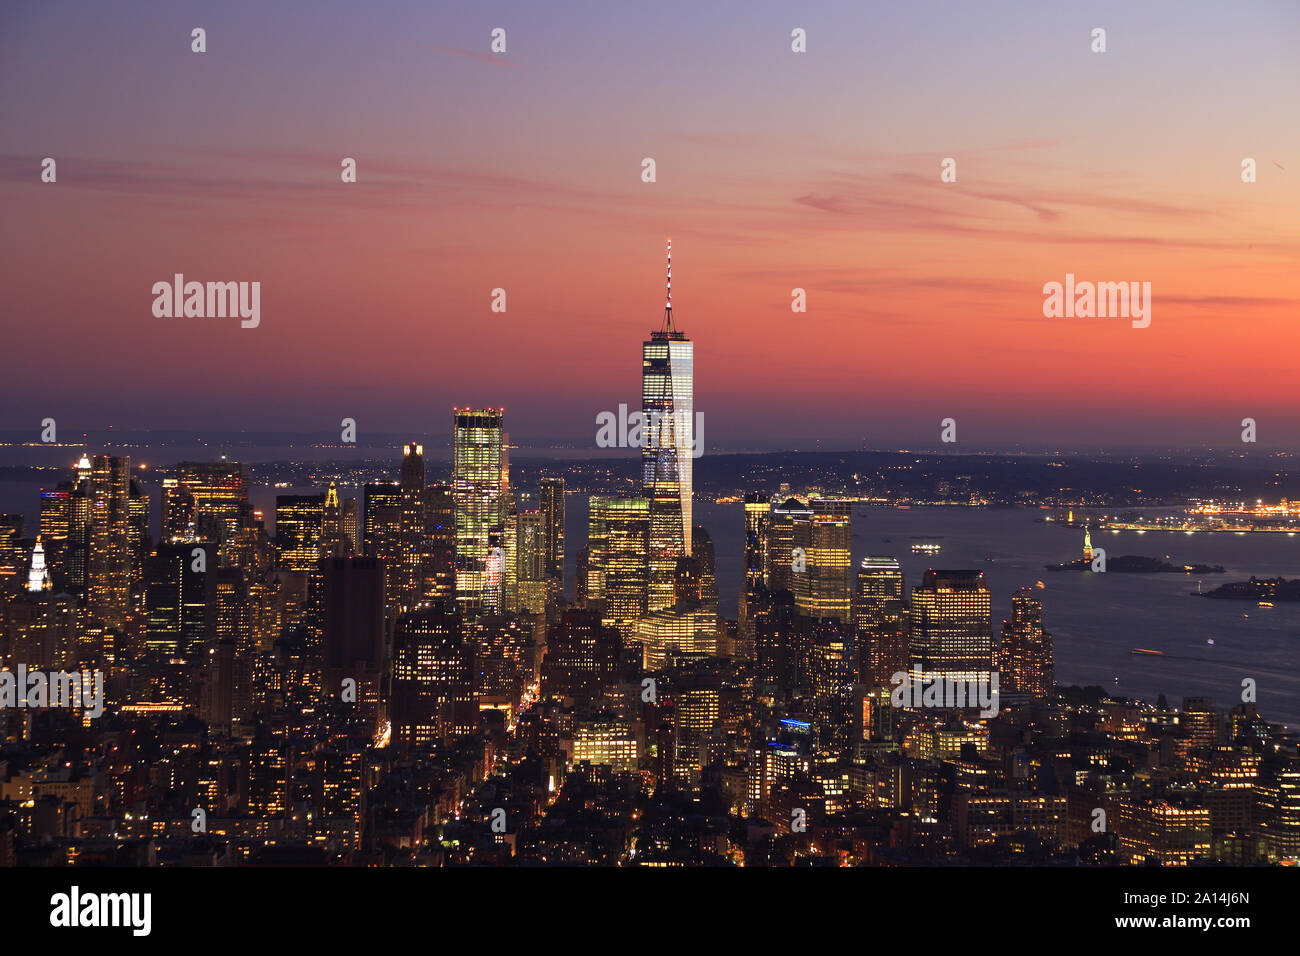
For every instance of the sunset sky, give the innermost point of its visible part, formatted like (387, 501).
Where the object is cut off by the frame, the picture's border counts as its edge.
(775, 170)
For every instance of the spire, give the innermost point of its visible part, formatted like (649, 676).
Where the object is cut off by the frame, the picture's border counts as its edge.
(332, 497)
(668, 306)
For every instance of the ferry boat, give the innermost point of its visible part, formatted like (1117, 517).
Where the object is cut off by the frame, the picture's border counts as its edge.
(926, 547)
(1146, 652)
(1265, 603)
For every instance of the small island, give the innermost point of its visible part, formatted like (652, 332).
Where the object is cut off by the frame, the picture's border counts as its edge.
(1256, 589)
(1133, 564)
(1137, 564)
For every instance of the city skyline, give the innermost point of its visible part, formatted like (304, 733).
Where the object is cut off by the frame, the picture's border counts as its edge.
(372, 498)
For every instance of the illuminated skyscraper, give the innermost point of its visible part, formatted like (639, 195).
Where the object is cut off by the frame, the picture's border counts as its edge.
(110, 558)
(697, 717)
(880, 620)
(383, 534)
(11, 529)
(1025, 654)
(178, 511)
(219, 490)
(758, 512)
(331, 539)
(668, 409)
(688, 629)
(414, 511)
(176, 593)
(530, 557)
(822, 566)
(951, 635)
(830, 675)
(351, 527)
(478, 486)
(552, 507)
(38, 577)
(433, 678)
(299, 530)
(780, 542)
(500, 659)
(440, 543)
(618, 538)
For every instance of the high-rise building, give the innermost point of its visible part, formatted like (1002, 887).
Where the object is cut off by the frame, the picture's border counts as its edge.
(230, 624)
(582, 577)
(56, 532)
(79, 533)
(775, 648)
(830, 675)
(433, 678)
(1025, 659)
(1278, 813)
(530, 562)
(110, 559)
(351, 527)
(354, 635)
(331, 537)
(697, 715)
(667, 406)
(552, 508)
(1200, 722)
(822, 567)
(581, 656)
(706, 567)
(758, 512)
(951, 635)
(414, 514)
(440, 543)
(502, 666)
(176, 598)
(689, 629)
(178, 512)
(219, 490)
(880, 620)
(383, 534)
(478, 486)
(299, 530)
(138, 538)
(38, 575)
(780, 554)
(11, 530)
(618, 541)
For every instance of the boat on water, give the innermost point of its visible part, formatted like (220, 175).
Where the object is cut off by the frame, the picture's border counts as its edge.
(1146, 652)
(1209, 640)
(926, 547)
(1265, 603)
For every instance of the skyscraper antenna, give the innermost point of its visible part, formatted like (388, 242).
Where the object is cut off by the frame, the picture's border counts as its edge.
(668, 307)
